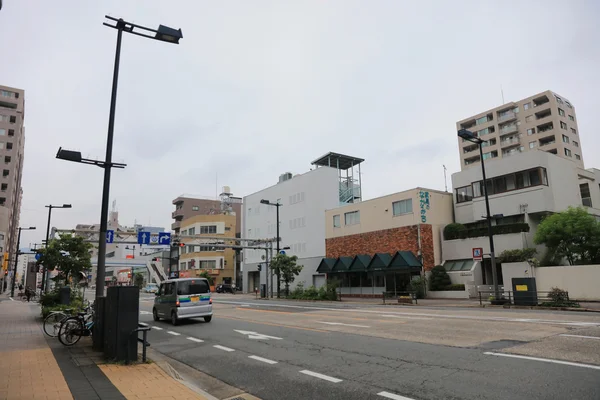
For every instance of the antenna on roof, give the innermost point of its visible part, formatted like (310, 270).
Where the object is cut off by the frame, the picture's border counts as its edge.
(445, 181)
(502, 92)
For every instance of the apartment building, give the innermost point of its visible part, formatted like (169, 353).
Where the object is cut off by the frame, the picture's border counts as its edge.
(199, 255)
(187, 206)
(545, 121)
(12, 146)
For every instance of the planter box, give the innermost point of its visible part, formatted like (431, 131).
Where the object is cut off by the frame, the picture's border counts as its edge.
(448, 294)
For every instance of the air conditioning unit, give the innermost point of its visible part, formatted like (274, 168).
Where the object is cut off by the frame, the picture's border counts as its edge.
(285, 177)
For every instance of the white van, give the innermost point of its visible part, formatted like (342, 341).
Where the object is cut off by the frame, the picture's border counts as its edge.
(183, 298)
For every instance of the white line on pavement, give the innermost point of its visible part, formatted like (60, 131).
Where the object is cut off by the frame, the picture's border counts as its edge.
(157, 328)
(265, 360)
(11, 299)
(581, 337)
(393, 396)
(193, 339)
(405, 317)
(339, 323)
(489, 353)
(145, 312)
(173, 333)
(320, 376)
(216, 346)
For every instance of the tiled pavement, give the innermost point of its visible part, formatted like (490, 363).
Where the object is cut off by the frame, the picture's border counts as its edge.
(37, 367)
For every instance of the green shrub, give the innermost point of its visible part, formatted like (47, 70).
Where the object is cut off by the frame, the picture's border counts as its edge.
(454, 231)
(418, 286)
(310, 293)
(558, 295)
(516, 255)
(297, 292)
(75, 305)
(439, 278)
(457, 287)
(49, 299)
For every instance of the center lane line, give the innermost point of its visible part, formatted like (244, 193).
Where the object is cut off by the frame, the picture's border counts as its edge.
(157, 328)
(581, 337)
(265, 360)
(218, 346)
(173, 333)
(393, 396)
(341, 324)
(193, 339)
(320, 376)
(548, 360)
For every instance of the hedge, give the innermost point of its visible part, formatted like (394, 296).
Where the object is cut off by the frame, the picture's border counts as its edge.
(516, 255)
(479, 232)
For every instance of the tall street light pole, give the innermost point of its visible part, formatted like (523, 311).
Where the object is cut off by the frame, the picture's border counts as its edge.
(46, 273)
(14, 270)
(470, 136)
(163, 34)
(276, 205)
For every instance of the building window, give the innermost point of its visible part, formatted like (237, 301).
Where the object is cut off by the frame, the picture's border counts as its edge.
(563, 125)
(572, 118)
(7, 159)
(6, 93)
(506, 183)
(9, 146)
(402, 207)
(568, 104)
(208, 229)
(586, 197)
(2, 201)
(532, 144)
(1, 145)
(13, 119)
(352, 218)
(526, 106)
(192, 231)
(577, 157)
(530, 131)
(208, 264)
(567, 152)
(4, 187)
(5, 173)
(195, 208)
(336, 221)
(464, 194)
(573, 131)
(561, 112)
(576, 144)
(184, 233)
(2, 132)
(558, 99)
(565, 139)
(11, 132)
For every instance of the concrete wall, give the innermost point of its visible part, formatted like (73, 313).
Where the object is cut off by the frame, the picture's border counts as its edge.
(448, 294)
(580, 281)
(463, 248)
(306, 275)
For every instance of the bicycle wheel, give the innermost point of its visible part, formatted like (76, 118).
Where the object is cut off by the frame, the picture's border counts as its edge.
(70, 331)
(52, 323)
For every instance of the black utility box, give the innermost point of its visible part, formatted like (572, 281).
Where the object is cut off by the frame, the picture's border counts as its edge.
(121, 317)
(64, 295)
(524, 292)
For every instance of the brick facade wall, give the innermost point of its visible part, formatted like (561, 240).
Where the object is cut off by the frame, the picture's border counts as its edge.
(384, 241)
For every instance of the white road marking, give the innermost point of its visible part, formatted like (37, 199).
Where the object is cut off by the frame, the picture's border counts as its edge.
(339, 323)
(216, 346)
(173, 333)
(320, 376)
(244, 305)
(255, 335)
(157, 328)
(489, 353)
(265, 360)
(145, 312)
(581, 337)
(11, 299)
(406, 317)
(393, 396)
(430, 315)
(193, 339)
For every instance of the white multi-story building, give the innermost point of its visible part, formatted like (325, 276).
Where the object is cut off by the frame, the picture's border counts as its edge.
(304, 199)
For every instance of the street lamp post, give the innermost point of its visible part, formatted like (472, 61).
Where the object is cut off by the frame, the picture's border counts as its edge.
(276, 205)
(164, 34)
(470, 136)
(46, 273)
(14, 270)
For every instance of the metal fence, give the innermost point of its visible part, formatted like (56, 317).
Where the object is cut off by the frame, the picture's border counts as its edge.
(486, 296)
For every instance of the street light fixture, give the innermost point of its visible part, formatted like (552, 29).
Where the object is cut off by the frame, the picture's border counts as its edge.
(164, 34)
(46, 273)
(276, 205)
(471, 137)
(14, 270)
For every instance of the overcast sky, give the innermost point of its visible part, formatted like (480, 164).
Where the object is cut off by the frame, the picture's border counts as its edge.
(258, 88)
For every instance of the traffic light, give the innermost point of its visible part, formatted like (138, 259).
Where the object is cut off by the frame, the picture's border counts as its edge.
(259, 267)
(181, 244)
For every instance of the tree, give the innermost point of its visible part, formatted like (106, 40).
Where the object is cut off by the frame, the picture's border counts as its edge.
(439, 278)
(205, 274)
(573, 234)
(138, 279)
(287, 269)
(69, 254)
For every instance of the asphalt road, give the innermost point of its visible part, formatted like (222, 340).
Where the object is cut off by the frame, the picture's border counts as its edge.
(291, 350)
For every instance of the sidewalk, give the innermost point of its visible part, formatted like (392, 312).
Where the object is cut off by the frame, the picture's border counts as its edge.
(38, 367)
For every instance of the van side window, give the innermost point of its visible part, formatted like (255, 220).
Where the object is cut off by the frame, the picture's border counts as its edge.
(185, 288)
(169, 289)
(160, 289)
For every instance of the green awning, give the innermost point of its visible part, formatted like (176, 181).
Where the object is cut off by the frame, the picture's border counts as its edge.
(360, 263)
(380, 261)
(326, 265)
(342, 264)
(405, 260)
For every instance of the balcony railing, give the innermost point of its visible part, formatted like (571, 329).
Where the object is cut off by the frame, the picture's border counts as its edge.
(508, 129)
(507, 116)
(542, 144)
(510, 142)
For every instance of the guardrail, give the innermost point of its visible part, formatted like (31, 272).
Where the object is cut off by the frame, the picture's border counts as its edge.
(543, 296)
(144, 328)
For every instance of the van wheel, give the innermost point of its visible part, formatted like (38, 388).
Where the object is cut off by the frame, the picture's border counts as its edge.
(208, 319)
(155, 315)
(174, 320)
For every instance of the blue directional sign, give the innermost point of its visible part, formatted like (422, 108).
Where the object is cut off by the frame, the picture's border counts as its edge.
(282, 252)
(38, 256)
(110, 236)
(164, 237)
(144, 237)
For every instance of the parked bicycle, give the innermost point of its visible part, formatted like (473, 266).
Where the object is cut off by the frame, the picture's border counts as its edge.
(54, 320)
(73, 328)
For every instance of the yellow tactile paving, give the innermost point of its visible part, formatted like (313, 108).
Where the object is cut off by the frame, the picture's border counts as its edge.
(30, 375)
(146, 381)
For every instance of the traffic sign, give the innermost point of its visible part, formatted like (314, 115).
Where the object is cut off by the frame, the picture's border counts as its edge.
(110, 236)
(164, 238)
(144, 237)
(477, 254)
(38, 256)
(282, 252)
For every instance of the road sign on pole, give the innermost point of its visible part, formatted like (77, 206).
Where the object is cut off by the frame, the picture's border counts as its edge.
(282, 252)
(144, 237)
(477, 254)
(110, 236)
(164, 238)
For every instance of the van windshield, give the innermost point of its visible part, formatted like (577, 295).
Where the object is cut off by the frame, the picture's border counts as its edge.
(192, 287)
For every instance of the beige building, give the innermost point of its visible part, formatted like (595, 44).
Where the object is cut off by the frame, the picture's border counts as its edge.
(545, 122)
(12, 146)
(200, 255)
(187, 206)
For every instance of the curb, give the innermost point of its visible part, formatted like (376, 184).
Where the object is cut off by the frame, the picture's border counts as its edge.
(572, 309)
